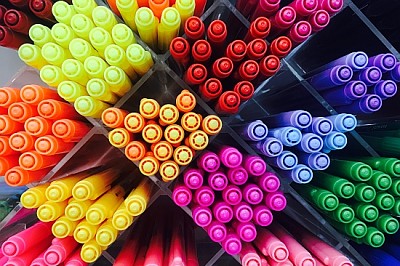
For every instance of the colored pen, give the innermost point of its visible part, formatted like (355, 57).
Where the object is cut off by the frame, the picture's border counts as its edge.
(5, 148)
(168, 29)
(385, 62)
(271, 246)
(283, 19)
(194, 28)
(259, 28)
(180, 50)
(370, 75)
(331, 6)
(21, 111)
(211, 125)
(122, 35)
(335, 76)
(34, 94)
(82, 26)
(310, 143)
(63, 12)
(280, 46)
(17, 176)
(222, 67)
(50, 145)
(196, 74)
(243, 212)
(319, 20)
(265, 8)
(18, 21)
(385, 89)
(55, 54)
(211, 89)
(248, 70)
(201, 51)
(217, 33)
(52, 75)
(9, 126)
(356, 60)
(42, 9)
(31, 55)
(369, 103)
(236, 50)
(80, 49)
(147, 24)
(103, 17)
(70, 90)
(9, 96)
(99, 89)
(256, 49)
(186, 9)
(185, 101)
(300, 31)
(69, 130)
(140, 60)
(269, 65)
(254, 165)
(11, 39)
(346, 94)
(40, 35)
(99, 38)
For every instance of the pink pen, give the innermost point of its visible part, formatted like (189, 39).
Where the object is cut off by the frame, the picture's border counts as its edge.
(297, 253)
(275, 201)
(222, 212)
(265, 8)
(190, 244)
(269, 182)
(182, 195)
(39, 261)
(155, 252)
(217, 231)
(249, 256)
(271, 246)
(243, 212)
(237, 176)
(304, 7)
(332, 6)
(299, 32)
(217, 181)
(319, 20)
(57, 253)
(202, 216)
(282, 20)
(252, 194)
(271, 262)
(246, 231)
(254, 165)
(75, 259)
(230, 156)
(232, 244)
(177, 252)
(204, 196)
(232, 195)
(262, 215)
(193, 178)
(26, 258)
(208, 161)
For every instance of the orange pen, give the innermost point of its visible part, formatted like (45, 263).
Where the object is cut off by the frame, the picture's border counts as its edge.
(38, 126)
(149, 108)
(9, 126)
(149, 165)
(169, 114)
(5, 148)
(34, 94)
(157, 6)
(162, 150)
(152, 133)
(69, 130)
(174, 134)
(135, 150)
(8, 96)
(119, 137)
(32, 160)
(21, 111)
(113, 117)
(17, 176)
(169, 170)
(134, 122)
(197, 140)
(55, 110)
(191, 121)
(183, 155)
(185, 101)
(50, 145)
(211, 124)
(8, 162)
(22, 141)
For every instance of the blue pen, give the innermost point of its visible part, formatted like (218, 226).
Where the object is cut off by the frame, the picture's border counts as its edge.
(332, 77)
(318, 161)
(385, 62)
(286, 160)
(310, 143)
(299, 118)
(300, 174)
(375, 256)
(346, 94)
(254, 131)
(343, 122)
(289, 136)
(320, 126)
(369, 103)
(355, 60)
(370, 75)
(385, 89)
(334, 141)
(270, 147)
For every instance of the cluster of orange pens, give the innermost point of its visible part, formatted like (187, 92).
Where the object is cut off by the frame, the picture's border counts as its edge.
(153, 122)
(37, 129)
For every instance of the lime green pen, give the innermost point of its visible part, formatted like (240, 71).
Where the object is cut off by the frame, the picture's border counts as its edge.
(81, 49)
(52, 75)
(70, 90)
(122, 36)
(84, 7)
(139, 58)
(63, 34)
(95, 66)
(185, 9)
(118, 80)
(168, 28)
(147, 24)
(63, 12)
(100, 90)
(74, 70)
(31, 54)
(82, 25)
(55, 54)
(89, 106)
(128, 9)
(40, 35)
(104, 18)
(115, 56)
(100, 39)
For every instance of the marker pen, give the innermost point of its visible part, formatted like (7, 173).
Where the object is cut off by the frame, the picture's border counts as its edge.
(69, 130)
(332, 6)
(115, 56)
(91, 251)
(380, 181)
(356, 60)
(232, 195)
(122, 35)
(395, 210)
(385, 62)
(83, 27)
(106, 234)
(321, 126)
(168, 28)
(174, 134)
(280, 46)
(32, 55)
(217, 231)
(201, 51)
(246, 231)
(208, 161)
(299, 118)
(269, 65)
(256, 49)
(385, 89)
(28, 257)
(63, 12)
(11, 39)
(393, 74)
(33, 94)
(300, 31)
(236, 51)
(152, 133)
(85, 231)
(21, 141)
(395, 187)
(289, 136)
(74, 70)
(51, 211)
(55, 54)
(18, 21)
(265, 8)
(180, 50)
(9, 96)
(197, 140)
(269, 182)
(58, 253)
(228, 103)
(211, 89)
(230, 156)
(248, 70)
(162, 150)
(388, 165)
(134, 122)
(275, 201)
(169, 114)
(342, 214)
(121, 219)
(18, 3)
(259, 28)
(218, 181)
(332, 77)
(346, 94)
(8, 162)
(136, 202)
(98, 37)
(169, 170)
(42, 9)
(283, 19)
(319, 197)
(38, 261)
(149, 165)
(191, 121)
(147, 24)
(84, 7)
(243, 212)
(252, 194)
(100, 90)
(70, 90)
(304, 8)
(9, 126)
(310, 143)
(32, 160)
(158, 6)
(5, 148)
(183, 155)
(319, 20)
(40, 35)
(387, 224)
(384, 201)
(61, 189)
(50, 145)
(351, 170)
(317, 161)
(253, 131)
(34, 197)
(81, 49)
(135, 151)
(185, 101)
(52, 75)
(114, 117)
(119, 137)
(117, 79)
(128, 9)
(196, 74)
(55, 110)
(222, 212)
(193, 178)
(182, 195)
(202, 216)
(254, 165)
(194, 28)
(21, 111)
(370, 75)
(237, 176)
(103, 17)
(271, 246)
(217, 33)
(334, 141)
(343, 122)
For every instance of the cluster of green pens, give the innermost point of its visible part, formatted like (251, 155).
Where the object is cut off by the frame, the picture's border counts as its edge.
(369, 192)
(90, 57)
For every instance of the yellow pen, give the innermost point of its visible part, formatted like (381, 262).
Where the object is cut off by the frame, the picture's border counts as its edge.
(140, 59)
(104, 17)
(63, 34)
(74, 70)
(82, 25)
(52, 75)
(168, 28)
(31, 54)
(76, 210)
(128, 9)
(122, 36)
(106, 234)
(118, 80)
(34, 197)
(89, 106)
(100, 39)
(185, 9)
(63, 227)
(61, 189)
(55, 54)
(81, 49)
(147, 24)
(50, 211)
(84, 7)
(95, 66)
(115, 56)
(91, 251)
(121, 219)
(40, 34)
(84, 231)
(136, 201)
(100, 90)
(70, 90)
(63, 12)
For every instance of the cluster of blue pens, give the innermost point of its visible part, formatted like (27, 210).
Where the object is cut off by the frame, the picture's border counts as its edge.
(357, 84)
(306, 141)
(9, 198)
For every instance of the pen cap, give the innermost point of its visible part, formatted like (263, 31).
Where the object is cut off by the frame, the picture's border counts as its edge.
(217, 231)
(271, 246)
(222, 67)
(84, 6)
(51, 211)
(316, 161)
(95, 66)
(34, 94)
(61, 189)
(9, 126)
(364, 193)
(256, 49)
(34, 197)
(104, 17)
(81, 49)
(321, 126)
(70, 90)
(119, 137)
(182, 195)
(342, 214)
(85, 231)
(245, 89)
(211, 125)
(395, 187)
(63, 12)
(321, 198)
(232, 195)
(56, 254)
(232, 244)
(114, 117)
(365, 212)
(32, 160)
(76, 210)
(55, 110)
(222, 212)
(106, 234)
(174, 134)
(21, 141)
(8, 162)
(387, 224)
(300, 31)
(238, 175)
(197, 140)
(185, 8)
(343, 122)
(55, 54)
(390, 166)
(194, 28)
(63, 34)
(5, 148)
(69, 130)
(380, 180)
(169, 114)
(135, 150)
(149, 165)
(149, 108)
(275, 201)
(254, 165)
(121, 218)
(122, 35)
(40, 34)
(196, 74)
(9, 96)
(243, 212)
(88, 106)
(180, 50)
(91, 251)
(52, 75)
(32, 55)
(136, 202)
(193, 178)
(202, 216)
(281, 46)
(338, 186)
(218, 181)
(262, 215)
(191, 121)
(385, 62)
(252, 194)
(201, 51)
(152, 133)
(310, 143)
(74, 70)
(21, 111)
(236, 50)
(100, 90)
(183, 155)
(384, 201)
(134, 122)
(162, 150)
(259, 28)
(140, 59)
(355, 171)
(374, 237)
(185, 101)
(396, 208)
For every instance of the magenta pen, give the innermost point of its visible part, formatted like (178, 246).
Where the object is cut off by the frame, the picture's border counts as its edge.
(232, 244)
(218, 181)
(262, 216)
(243, 212)
(254, 165)
(246, 231)
(319, 20)
(304, 8)
(204, 196)
(209, 162)
(300, 31)
(332, 6)
(193, 178)
(237, 176)
(182, 195)
(202, 216)
(265, 8)
(217, 231)
(230, 156)
(232, 195)
(282, 20)
(223, 212)
(252, 194)
(269, 182)
(275, 201)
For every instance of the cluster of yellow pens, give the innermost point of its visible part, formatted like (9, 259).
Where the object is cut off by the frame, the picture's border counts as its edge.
(88, 56)
(92, 207)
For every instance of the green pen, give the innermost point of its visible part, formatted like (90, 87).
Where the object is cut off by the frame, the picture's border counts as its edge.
(356, 228)
(63, 34)
(388, 146)
(81, 49)
(104, 17)
(31, 54)
(74, 70)
(118, 80)
(128, 9)
(395, 187)
(374, 237)
(115, 56)
(88, 106)
(95, 66)
(364, 193)
(63, 12)
(52, 75)
(40, 35)
(100, 90)
(342, 214)
(321, 198)
(338, 186)
(390, 166)
(55, 54)
(384, 201)
(396, 208)
(100, 39)
(122, 36)
(140, 59)
(84, 7)
(82, 25)
(387, 224)
(70, 90)
(380, 180)
(355, 171)
(365, 212)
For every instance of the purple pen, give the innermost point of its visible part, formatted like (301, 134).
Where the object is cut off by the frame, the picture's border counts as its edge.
(319, 20)
(300, 174)
(385, 62)
(332, 6)
(230, 157)
(218, 181)
(217, 231)
(299, 119)
(332, 77)
(320, 126)
(355, 60)
(193, 178)
(232, 244)
(262, 215)
(182, 195)
(286, 160)
(394, 74)
(254, 165)
(265, 8)
(270, 147)
(275, 201)
(368, 104)
(269, 182)
(252, 194)
(304, 8)
(282, 20)
(254, 131)
(343, 122)
(385, 89)
(243, 212)
(223, 212)
(232, 195)
(346, 94)
(204, 196)
(246, 231)
(209, 162)
(237, 176)
(300, 31)
(310, 143)
(370, 75)
(318, 161)
(202, 216)
(334, 141)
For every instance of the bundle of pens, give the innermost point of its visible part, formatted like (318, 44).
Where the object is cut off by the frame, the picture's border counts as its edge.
(153, 135)
(91, 207)
(37, 129)
(357, 84)
(90, 57)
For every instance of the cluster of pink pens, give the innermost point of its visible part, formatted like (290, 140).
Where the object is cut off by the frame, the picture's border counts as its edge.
(36, 246)
(240, 195)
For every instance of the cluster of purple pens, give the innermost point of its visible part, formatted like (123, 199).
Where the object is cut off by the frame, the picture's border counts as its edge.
(240, 195)
(357, 84)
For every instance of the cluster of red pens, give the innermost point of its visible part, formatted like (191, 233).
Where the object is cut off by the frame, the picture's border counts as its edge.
(17, 16)
(36, 131)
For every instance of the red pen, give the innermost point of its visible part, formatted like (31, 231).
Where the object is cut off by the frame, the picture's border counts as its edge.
(304, 8)
(19, 3)
(256, 49)
(201, 51)
(222, 67)
(216, 33)
(282, 20)
(180, 50)
(281, 46)
(195, 74)
(319, 20)
(265, 8)
(194, 29)
(246, 7)
(11, 39)
(200, 5)
(259, 28)
(211, 89)
(245, 90)
(18, 21)
(3, 10)
(236, 50)
(42, 9)
(300, 31)
(228, 103)
(269, 65)
(332, 6)
(248, 70)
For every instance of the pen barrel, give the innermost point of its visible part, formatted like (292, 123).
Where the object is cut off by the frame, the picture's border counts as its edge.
(12, 39)
(339, 186)
(365, 212)
(335, 76)
(52, 75)
(32, 55)
(345, 94)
